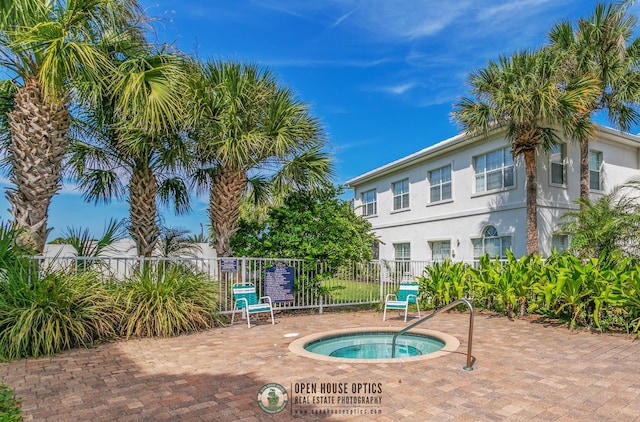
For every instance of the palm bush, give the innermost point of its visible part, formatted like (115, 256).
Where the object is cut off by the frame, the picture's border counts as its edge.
(12, 254)
(167, 301)
(57, 311)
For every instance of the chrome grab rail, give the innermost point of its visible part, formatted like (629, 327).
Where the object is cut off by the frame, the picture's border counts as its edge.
(445, 308)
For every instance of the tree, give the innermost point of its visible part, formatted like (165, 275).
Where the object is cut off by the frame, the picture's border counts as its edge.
(316, 226)
(527, 95)
(87, 245)
(252, 137)
(175, 243)
(599, 46)
(46, 45)
(607, 227)
(135, 147)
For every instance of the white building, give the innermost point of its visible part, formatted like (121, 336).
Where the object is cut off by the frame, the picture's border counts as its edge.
(464, 197)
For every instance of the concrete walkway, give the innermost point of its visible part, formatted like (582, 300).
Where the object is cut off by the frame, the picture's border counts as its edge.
(524, 371)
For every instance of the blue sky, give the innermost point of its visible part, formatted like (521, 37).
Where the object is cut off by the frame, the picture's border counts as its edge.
(381, 75)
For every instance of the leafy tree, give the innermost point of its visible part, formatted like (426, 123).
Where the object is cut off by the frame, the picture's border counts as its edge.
(252, 137)
(46, 46)
(602, 46)
(528, 95)
(316, 226)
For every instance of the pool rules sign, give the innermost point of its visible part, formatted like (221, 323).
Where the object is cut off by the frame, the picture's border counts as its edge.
(278, 282)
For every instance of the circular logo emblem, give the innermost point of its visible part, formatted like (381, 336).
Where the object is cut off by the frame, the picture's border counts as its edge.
(272, 398)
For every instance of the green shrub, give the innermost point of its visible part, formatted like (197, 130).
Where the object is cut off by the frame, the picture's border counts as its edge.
(55, 312)
(442, 283)
(10, 405)
(167, 302)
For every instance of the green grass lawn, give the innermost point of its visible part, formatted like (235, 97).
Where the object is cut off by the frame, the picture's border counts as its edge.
(342, 291)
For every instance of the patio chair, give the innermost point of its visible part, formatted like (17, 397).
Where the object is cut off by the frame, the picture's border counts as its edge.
(246, 300)
(407, 295)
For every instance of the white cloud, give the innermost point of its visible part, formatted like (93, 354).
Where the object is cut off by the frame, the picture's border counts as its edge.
(398, 89)
(305, 62)
(341, 19)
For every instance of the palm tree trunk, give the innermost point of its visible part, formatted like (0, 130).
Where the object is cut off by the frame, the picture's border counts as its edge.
(143, 210)
(225, 198)
(39, 141)
(584, 169)
(532, 201)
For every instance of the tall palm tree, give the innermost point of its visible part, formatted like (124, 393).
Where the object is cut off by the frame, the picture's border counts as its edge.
(602, 45)
(46, 45)
(526, 94)
(135, 148)
(254, 137)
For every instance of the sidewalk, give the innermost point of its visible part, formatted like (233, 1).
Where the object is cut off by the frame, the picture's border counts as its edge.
(524, 371)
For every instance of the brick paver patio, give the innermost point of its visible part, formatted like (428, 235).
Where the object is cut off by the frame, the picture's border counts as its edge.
(524, 371)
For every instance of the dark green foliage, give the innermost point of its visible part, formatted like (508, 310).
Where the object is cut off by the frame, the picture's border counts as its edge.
(316, 226)
(10, 406)
(11, 253)
(58, 311)
(167, 301)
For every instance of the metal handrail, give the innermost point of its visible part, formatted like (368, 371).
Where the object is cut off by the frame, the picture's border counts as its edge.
(469, 366)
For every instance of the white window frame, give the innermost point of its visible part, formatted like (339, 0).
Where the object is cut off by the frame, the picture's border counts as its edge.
(438, 183)
(556, 239)
(440, 250)
(595, 171)
(558, 158)
(400, 197)
(369, 205)
(489, 235)
(505, 171)
(402, 258)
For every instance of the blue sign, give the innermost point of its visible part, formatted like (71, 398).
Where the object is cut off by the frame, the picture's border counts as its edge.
(228, 265)
(278, 282)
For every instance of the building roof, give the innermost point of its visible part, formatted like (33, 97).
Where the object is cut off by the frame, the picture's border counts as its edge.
(603, 132)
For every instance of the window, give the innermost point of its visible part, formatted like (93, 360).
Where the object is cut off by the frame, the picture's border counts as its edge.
(402, 257)
(595, 174)
(375, 249)
(494, 170)
(401, 194)
(559, 242)
(402, 251)
(369, 203)
(492, 244)
(440, 250)
(557, 156)
(440, 181)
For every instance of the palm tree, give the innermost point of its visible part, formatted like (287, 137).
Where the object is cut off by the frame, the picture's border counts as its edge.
(525, 94)
(175, 243)
(135, 149)
(86, 245)
(46, 45)
(608, 226)
(253, 137)
(599, 46)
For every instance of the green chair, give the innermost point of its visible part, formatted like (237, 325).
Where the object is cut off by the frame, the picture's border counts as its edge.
(407, 295)
(246, 300)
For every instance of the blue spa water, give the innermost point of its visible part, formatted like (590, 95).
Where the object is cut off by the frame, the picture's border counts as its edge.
(374, 345)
